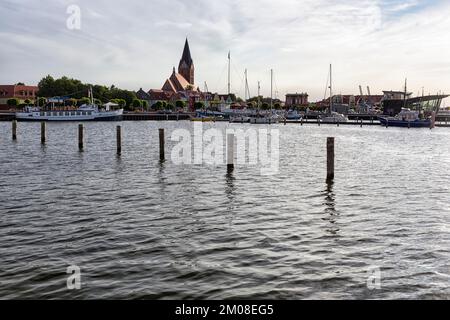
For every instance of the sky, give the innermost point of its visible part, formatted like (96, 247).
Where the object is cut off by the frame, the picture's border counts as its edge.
(135, 44)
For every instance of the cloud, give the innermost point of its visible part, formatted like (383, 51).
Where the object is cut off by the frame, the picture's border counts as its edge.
(135, 44)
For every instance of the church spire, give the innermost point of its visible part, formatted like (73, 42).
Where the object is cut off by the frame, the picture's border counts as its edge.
(186, 54)
(186, 66)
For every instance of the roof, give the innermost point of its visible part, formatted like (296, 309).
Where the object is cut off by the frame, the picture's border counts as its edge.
(176, 83)
(186, 57)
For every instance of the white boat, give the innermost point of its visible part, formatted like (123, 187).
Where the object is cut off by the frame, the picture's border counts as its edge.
(293, 115)
(264, 119)
(83, 113)
(239, 119)
(267, 117)
(87, 112)
(334, 117)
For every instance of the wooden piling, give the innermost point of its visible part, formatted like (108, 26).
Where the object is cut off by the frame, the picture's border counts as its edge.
(80, 137)
(301, 121)
(119, 139)
(318, 121)
(162, 155)
(14, 129)
(43, 132)
(330, 159)
(230, 152)
(361, 122)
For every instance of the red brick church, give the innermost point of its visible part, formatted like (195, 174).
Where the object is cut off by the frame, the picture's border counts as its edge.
(179, 86)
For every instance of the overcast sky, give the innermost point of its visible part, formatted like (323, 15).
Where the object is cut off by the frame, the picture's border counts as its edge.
(134, 44)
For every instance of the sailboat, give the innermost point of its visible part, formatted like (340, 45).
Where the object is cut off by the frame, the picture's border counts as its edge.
(266, 117)
(332, 116)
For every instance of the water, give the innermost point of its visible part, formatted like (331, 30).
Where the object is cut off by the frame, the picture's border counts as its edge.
(141, 229)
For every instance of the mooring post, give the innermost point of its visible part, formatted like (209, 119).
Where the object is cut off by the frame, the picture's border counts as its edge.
(301, 121)
(43, 132)
(318, 121)
(14, 129)
(337, 122)
(80, 137)
(371, 119)
(330, 159)
(387, 123)
(119, 139)
(230, 151)
(361, 122)
(162, 155)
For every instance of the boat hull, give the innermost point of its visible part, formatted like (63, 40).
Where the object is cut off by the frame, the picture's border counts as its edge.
(405, 124)
(37, 116)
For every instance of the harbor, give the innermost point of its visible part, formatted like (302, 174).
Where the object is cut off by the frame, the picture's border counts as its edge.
(127, 219)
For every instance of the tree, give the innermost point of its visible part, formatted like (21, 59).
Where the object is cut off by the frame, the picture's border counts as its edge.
(180, 104)
(71, 102)
(265, 106)
(13, 102)
(137, 104)
(84, 101)
(199, 105)
(41, 102)
(170, 107)
(144, 104)
(277, 106)
(27, 101)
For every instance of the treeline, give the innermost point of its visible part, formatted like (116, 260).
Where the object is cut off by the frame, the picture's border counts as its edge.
(75, 89)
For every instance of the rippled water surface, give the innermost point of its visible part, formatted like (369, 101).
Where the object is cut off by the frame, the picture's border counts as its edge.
(141, 229)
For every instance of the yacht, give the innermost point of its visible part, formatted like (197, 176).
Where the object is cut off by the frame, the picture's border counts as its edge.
(406, 118)
(334, 117)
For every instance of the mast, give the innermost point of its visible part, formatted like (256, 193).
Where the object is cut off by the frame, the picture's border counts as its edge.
(331, 89)
(259, 93)
(229, 69)
(406, 90)
(271, 89)
(246, 87)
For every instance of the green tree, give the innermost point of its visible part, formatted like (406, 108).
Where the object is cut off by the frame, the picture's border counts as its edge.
(71, 102)
(199, 105)
(13, 102)
(277, 106)
(84, 101)
(137, 104)
(41, 102)
(180, 104)
(27, 101)
(144, 104)
(265, 106)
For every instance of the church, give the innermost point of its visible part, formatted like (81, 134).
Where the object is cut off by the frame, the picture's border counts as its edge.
(181, 86)
(184, 79)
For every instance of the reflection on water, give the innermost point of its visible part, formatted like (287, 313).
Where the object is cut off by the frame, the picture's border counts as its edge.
(330, 208)
(139, 228)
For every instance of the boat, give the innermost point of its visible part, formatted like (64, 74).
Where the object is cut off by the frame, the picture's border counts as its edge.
(86, 112)
(268, 117)
(334, 117)
(406, 119)
(293, 115)
(239, 119)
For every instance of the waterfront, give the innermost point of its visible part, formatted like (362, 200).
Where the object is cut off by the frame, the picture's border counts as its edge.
(141, 229)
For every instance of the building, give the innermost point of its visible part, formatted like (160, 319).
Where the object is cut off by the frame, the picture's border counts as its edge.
(183, 79)
(296, 100)
(394, 101)
(18, 91)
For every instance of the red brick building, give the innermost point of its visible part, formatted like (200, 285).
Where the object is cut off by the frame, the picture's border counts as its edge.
(296, 100)
(18, 91)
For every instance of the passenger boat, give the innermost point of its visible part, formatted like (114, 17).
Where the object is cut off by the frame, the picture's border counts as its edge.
(334, 117)
(87, 112)
(407, 119)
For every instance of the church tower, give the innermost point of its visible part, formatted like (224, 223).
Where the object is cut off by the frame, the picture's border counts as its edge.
(186, 66)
